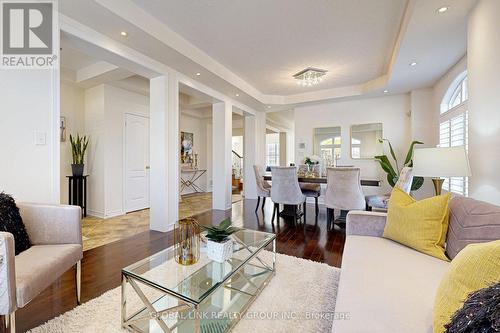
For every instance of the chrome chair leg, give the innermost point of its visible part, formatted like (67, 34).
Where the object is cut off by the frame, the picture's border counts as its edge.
(10, 322)
(78, 281)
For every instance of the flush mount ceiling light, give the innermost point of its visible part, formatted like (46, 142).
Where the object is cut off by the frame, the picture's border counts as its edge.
(443, 9)
(124, 33)
(309, 76)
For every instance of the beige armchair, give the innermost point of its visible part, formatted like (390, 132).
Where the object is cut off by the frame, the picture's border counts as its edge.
(56, 236)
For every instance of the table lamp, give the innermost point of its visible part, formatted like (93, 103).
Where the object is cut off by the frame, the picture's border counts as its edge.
(441, 162)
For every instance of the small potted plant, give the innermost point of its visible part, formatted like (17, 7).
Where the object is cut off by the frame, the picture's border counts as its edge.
(78, 148)
(219, 245)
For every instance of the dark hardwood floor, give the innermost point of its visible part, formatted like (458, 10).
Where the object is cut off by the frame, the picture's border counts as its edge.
(101, 267)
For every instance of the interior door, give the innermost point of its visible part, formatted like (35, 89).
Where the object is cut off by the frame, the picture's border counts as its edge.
(136, 162)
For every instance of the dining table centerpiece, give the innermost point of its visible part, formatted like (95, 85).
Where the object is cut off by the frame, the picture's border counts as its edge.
(311, 161)
(219, 244)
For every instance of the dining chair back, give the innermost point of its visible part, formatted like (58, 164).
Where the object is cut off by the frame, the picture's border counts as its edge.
(263, 187)
(285, 189)
(343, 189)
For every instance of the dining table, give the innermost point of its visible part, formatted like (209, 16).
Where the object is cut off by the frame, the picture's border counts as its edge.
(322, 180)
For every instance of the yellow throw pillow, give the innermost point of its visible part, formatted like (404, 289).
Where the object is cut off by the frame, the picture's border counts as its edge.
(476, 267)
(421, 225)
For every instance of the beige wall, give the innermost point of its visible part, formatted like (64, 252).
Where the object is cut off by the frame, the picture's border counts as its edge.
(484, 100)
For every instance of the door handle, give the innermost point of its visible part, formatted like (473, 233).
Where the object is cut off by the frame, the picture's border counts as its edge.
(148, 167)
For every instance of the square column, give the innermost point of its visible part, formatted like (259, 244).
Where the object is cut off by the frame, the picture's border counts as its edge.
(164, 152)
(254, 142)
(222, 115)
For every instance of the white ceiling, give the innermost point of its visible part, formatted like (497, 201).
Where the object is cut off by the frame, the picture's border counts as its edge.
(266, 42)
(251, 48)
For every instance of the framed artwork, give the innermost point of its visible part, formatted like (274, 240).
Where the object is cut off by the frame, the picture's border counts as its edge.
(62, 129)
(186, 147)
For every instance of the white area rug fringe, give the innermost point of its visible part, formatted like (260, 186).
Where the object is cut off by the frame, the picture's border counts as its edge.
(300, 298)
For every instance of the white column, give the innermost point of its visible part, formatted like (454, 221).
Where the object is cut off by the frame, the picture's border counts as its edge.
(249, 154)
(483, 49)
(221, 152)
(164, 154)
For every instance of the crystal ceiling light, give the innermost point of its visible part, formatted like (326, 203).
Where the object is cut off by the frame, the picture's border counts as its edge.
(310, 76)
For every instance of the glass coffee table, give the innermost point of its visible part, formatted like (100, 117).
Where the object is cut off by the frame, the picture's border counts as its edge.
(206, 297)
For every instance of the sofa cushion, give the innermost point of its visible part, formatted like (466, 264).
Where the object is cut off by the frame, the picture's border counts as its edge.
(386, 287)
(474, 268)
(421, 225)
(471, 221)
(39, 266)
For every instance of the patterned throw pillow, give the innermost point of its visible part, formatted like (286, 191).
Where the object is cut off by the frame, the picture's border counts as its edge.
(10, 221)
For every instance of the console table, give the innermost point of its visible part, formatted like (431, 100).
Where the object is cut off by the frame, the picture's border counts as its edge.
(77, 192)
(189, 178)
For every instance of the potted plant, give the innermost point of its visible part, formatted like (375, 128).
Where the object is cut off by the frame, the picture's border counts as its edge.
(219, 245)
(393, 173)
(78, 148)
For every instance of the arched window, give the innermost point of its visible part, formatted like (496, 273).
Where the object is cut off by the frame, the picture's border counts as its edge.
(453, 127)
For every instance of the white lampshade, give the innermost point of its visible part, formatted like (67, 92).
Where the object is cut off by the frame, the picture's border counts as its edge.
(441, 162)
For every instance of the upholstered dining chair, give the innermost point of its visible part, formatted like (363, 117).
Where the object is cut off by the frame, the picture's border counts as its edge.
(312, 190)
(381, 202)
(343, 191)
(263, 187)
(55, 233)
(286, 190)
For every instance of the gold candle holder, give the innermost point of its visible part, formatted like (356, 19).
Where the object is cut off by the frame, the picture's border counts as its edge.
(187, 241)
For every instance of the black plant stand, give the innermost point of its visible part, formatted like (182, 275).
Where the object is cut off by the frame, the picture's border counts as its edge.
(77, 192)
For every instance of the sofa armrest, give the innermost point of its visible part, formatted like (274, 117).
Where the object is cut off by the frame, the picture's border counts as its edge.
(363, 223)
(7, 274)
(52, 224)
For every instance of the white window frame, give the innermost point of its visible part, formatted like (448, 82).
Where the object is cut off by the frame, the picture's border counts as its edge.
(459, 185)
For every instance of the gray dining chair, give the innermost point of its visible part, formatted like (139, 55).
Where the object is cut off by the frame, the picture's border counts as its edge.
(263, 187)
(286, 190)
(343, 191)
(381, 202)
(312, 190)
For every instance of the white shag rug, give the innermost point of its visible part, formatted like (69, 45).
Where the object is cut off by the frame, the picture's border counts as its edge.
(299, 298)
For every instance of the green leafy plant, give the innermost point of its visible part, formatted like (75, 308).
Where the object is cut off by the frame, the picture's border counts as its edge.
(393, 173)
(78, 148)
(221, 232)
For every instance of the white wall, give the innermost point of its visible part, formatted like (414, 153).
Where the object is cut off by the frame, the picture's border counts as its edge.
(105, 109)
(484, 100)
(391, 111)
(95, 129)
(29, 104)
(118, 102)
(72, 108)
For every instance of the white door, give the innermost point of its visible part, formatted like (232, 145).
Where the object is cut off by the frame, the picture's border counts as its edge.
(136, 162)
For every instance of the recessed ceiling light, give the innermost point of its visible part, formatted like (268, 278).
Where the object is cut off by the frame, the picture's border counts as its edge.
(198, 74)
(443, 9)
(237, 95)
(386, 91)
(124, 33)
(269, 106)
(413, 64)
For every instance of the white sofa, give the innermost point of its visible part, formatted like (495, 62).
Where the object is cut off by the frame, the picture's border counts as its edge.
(384, 286)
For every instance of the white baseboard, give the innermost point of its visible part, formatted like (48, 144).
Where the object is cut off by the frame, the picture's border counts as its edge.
(95, 214)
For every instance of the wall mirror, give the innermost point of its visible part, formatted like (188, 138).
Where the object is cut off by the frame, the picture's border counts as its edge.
(365, 142)
(327, 143)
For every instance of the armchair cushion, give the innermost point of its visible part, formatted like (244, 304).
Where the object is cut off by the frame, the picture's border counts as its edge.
(11, 221)
(39, 266)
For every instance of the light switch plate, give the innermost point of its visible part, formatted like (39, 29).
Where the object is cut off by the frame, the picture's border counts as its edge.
(40, 138)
